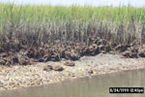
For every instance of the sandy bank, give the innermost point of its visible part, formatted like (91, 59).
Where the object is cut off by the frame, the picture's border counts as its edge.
(33, 75)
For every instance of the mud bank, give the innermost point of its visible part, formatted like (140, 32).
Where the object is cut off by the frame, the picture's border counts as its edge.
(15, 77)
(25, 55)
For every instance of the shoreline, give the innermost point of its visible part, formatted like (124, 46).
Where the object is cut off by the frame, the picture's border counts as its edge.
(17, 77)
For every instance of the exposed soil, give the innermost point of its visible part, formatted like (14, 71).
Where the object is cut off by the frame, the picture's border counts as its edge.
(72, 51)
(20, 76)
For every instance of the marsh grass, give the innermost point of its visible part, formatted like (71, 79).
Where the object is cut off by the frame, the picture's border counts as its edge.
(46, 13)
(36, 26)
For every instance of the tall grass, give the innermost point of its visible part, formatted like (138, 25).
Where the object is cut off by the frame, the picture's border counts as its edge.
(39, 25)
(46, 13)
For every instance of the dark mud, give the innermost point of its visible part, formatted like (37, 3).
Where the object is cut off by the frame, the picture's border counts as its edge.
(24, 55)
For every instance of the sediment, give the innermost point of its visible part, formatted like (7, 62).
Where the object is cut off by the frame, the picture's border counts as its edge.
(20, 76)
(23, 55)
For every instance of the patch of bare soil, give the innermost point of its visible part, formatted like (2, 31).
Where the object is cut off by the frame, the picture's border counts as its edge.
(19, 76)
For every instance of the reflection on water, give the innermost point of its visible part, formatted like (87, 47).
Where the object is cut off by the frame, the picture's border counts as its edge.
(96, 86)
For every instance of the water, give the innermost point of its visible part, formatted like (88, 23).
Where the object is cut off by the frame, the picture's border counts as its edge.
(96, 86)
(136, 3)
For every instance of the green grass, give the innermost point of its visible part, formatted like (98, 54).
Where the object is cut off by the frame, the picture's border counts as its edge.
(38, 25)
(56, 28)
(83, 13)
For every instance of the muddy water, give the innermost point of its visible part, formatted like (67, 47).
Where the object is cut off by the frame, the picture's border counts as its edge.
(97, 86)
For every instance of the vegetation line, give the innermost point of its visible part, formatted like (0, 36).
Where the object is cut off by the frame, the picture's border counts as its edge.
(54, 32)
